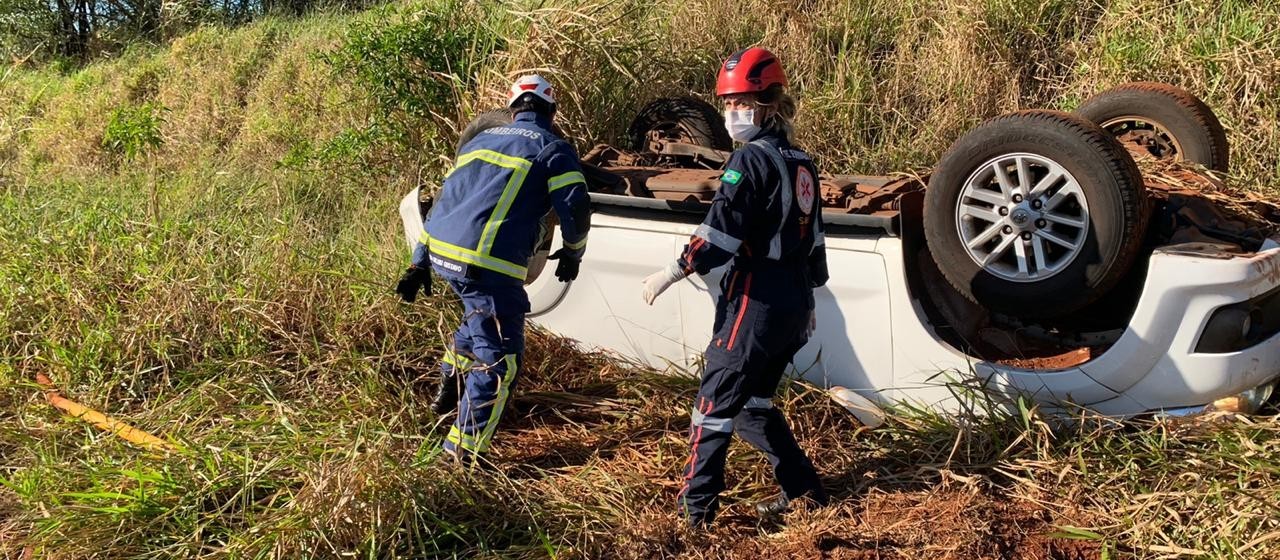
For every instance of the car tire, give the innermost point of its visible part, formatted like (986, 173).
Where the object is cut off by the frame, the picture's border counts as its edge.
(1160, 120)
(685, 119)
(1058, 244)
(484, 121)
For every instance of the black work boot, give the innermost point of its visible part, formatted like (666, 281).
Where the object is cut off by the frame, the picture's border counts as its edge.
(780, 504)
(446, 400)
(699, 524)
(773, 507)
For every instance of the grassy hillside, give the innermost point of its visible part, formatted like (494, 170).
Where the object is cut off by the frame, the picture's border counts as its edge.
(884, 86)
(200, 238)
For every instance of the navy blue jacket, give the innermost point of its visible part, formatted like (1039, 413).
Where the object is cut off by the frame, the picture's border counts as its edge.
(485, 221)
(768, 222)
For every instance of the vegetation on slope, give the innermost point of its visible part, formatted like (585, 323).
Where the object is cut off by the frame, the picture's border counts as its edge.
(200, 237)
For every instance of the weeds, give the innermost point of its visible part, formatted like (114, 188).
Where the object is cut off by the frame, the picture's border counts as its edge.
(231, 292)
(132, 131)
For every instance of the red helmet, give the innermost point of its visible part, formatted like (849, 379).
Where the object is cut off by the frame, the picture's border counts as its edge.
(749, 71)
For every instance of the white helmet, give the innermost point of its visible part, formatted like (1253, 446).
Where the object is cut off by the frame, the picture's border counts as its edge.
(531, 83)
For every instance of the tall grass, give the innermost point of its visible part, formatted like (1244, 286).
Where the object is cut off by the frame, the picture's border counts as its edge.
(227, 287)
(884, 86)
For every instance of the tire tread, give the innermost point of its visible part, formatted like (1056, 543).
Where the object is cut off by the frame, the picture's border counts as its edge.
(1120, 165)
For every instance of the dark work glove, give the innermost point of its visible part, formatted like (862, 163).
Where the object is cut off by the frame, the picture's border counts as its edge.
(567, 270)
(414, 279)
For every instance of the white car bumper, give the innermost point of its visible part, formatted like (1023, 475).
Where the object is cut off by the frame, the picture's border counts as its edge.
(1165, 358)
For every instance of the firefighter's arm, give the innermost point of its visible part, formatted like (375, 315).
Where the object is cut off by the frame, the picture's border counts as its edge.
(720, 236)
(420, 257)
(418, 275)
(818, 274)
(568, 191)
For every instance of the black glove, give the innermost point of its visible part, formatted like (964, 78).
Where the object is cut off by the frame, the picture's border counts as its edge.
(567, 270)
(414, 279)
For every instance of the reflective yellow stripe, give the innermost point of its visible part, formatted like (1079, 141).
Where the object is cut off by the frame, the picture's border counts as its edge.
(462, 440)
(497, 158)
(481, 255)
(519, 170)
(578, 245)
(424, 239)
(458, 361)
(499, 215)
(499, 403)
(471, 257)
(565, 180)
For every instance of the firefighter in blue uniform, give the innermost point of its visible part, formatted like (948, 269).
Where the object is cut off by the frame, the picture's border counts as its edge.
(766, 217)
(479, 237)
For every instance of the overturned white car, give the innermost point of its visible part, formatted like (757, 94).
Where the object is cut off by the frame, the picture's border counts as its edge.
(1039, 261)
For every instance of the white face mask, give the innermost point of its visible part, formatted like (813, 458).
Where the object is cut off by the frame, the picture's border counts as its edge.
(741, 124)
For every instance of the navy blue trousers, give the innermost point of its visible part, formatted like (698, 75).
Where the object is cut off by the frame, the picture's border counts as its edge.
(753, 343)
(486, 351)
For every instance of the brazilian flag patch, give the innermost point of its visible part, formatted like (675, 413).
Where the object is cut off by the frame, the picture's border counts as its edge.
(731, 176)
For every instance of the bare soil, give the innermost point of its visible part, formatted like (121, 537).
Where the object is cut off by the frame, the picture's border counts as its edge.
(599, 436)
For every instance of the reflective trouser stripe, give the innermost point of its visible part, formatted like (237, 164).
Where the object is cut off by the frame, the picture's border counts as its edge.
(757, 402)
(458, 361)
(742, 311)
(480, 443)
(711, 423)
(695, 438)
(460, 439)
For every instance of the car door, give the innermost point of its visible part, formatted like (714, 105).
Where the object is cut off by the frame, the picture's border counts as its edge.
(603, 308)
(852, 345)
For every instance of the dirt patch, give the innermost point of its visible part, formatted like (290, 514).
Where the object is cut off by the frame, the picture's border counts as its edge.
(610, 443)
(1065, 359)
(942, 524)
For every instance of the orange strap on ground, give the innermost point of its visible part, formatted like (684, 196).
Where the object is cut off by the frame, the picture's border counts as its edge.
(102, 421)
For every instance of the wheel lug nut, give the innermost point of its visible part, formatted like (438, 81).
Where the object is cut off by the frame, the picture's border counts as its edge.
(1041, 223)
(1017, 198)
(1007, 229)
(1004, 211)
(1026, 236)
(1037, 204)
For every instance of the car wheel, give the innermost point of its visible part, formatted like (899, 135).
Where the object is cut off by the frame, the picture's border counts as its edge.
(1161, 121)
(484, 121)
(1035, 214)
(546, 227)
(682, 119)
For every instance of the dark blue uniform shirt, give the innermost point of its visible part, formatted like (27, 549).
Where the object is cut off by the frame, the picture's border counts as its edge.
(484, 222)
(767, 217)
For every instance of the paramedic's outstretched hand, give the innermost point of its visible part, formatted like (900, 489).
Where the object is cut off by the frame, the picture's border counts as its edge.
(659, 281)
(570, 262)
(414, 279)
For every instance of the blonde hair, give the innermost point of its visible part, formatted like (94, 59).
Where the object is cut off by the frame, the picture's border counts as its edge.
(781, 108)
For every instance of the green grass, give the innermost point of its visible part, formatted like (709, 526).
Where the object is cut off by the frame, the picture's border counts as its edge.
(227, 287)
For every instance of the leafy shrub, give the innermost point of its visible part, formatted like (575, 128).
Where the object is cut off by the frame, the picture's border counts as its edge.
(414, 62)
(132, 131)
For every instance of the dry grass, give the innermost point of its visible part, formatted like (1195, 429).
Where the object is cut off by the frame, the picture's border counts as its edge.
(244, 310)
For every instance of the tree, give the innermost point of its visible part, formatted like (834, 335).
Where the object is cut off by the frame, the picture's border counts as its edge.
(79, 29)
